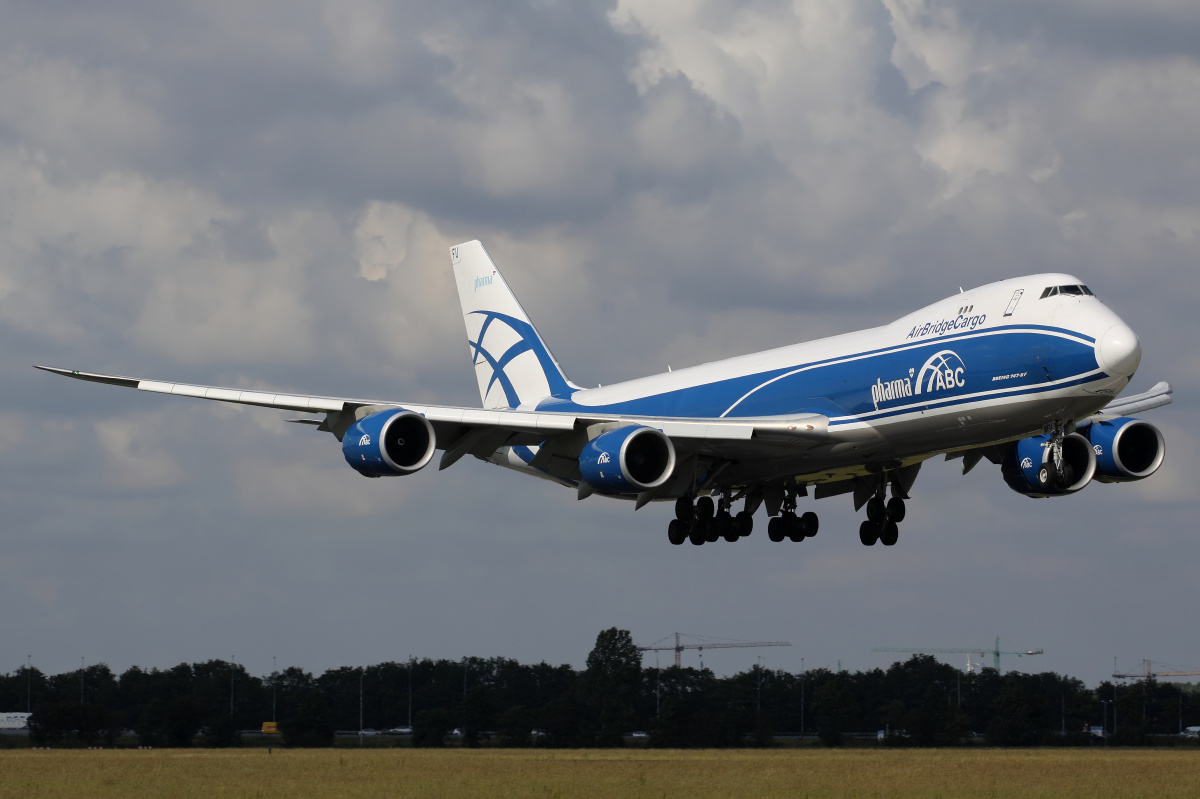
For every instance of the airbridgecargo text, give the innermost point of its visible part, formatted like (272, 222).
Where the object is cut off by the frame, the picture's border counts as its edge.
(947, 325)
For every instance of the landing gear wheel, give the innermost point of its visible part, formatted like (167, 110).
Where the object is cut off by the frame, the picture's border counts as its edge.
(684, 509)
(868, 533)
(795, 528)
(699, 532)
(712, 529)
(1066, 477)
(677, 532)
(775, 529)
(744, 522)
(705, 507)
(895, 510)
(875, 509)
(811, 523)
(1047, 475)
(727, 527)
(889, 535)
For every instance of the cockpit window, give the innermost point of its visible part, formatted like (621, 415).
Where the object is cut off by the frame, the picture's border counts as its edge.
(1054, 291)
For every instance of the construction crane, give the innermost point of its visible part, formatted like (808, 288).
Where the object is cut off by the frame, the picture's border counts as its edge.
(995, 652)
(721, 643)
(1149, 673)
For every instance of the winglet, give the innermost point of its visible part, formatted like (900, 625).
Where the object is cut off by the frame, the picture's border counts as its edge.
(112, 380)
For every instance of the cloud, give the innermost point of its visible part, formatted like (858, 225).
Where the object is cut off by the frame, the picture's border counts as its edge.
(133, 458)
(263, 195)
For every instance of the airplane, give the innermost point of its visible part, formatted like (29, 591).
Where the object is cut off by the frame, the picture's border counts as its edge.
(1024, 372)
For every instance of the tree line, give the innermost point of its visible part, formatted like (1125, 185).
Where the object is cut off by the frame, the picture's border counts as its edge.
(498, 701)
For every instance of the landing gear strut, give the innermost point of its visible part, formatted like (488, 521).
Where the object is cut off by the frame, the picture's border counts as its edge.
(788, 525)
(1055, 471)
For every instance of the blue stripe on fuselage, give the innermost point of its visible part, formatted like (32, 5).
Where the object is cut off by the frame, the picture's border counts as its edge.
(883, 382)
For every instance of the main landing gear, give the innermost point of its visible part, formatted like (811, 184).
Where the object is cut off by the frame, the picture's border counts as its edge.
(882, 521)
(788, 525)
(705, 521)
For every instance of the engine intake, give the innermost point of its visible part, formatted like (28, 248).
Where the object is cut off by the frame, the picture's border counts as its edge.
(627, 460)
(389, 443)
(1126, 449)
(1023, 467)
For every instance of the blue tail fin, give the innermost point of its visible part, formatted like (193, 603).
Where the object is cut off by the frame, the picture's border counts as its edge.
(512, 364)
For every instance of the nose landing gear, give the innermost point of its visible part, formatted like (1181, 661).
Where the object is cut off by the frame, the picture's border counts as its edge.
(1056, 472)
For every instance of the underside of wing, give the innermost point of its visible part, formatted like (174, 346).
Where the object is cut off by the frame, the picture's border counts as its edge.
(478, 431)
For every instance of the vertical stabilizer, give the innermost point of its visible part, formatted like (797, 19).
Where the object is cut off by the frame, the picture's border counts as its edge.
(512, 364)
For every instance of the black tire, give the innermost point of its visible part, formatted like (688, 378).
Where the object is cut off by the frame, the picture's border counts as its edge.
(705, 507)
(698, 532)
(795, 528)
(775, 529)
(1047, 476)
(889, 534)
(725, 527)
(712, 529)
(811, 524)
(868, 534)
(895, 510)
(1066, 477)
(875, 509)
(684, 509)
(745, 523)
(677, 532)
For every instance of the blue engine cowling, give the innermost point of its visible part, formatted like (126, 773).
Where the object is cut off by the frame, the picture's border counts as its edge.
(1022, 465)
(627, 460)
(1126, 449)
(389, 442)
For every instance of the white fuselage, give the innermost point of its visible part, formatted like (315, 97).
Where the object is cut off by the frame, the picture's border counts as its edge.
(989, 365)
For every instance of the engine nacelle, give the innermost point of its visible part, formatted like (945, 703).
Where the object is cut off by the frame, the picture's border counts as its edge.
(1022, 468)
(627, 460)
(389, 442)
(1126, 449)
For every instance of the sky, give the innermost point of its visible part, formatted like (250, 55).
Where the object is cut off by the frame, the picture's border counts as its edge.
(263, 194)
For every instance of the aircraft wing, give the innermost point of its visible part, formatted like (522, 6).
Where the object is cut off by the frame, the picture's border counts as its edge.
(462, 431)
(1158, 396)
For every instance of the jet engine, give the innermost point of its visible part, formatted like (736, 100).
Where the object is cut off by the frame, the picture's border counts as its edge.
(390, 442)
(1028, 468)
(627, 460)
(1126, 449)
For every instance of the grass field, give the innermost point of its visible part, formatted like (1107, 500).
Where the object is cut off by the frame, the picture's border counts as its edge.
(214, 774)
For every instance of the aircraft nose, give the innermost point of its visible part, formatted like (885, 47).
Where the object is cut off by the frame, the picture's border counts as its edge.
(1119, 351)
